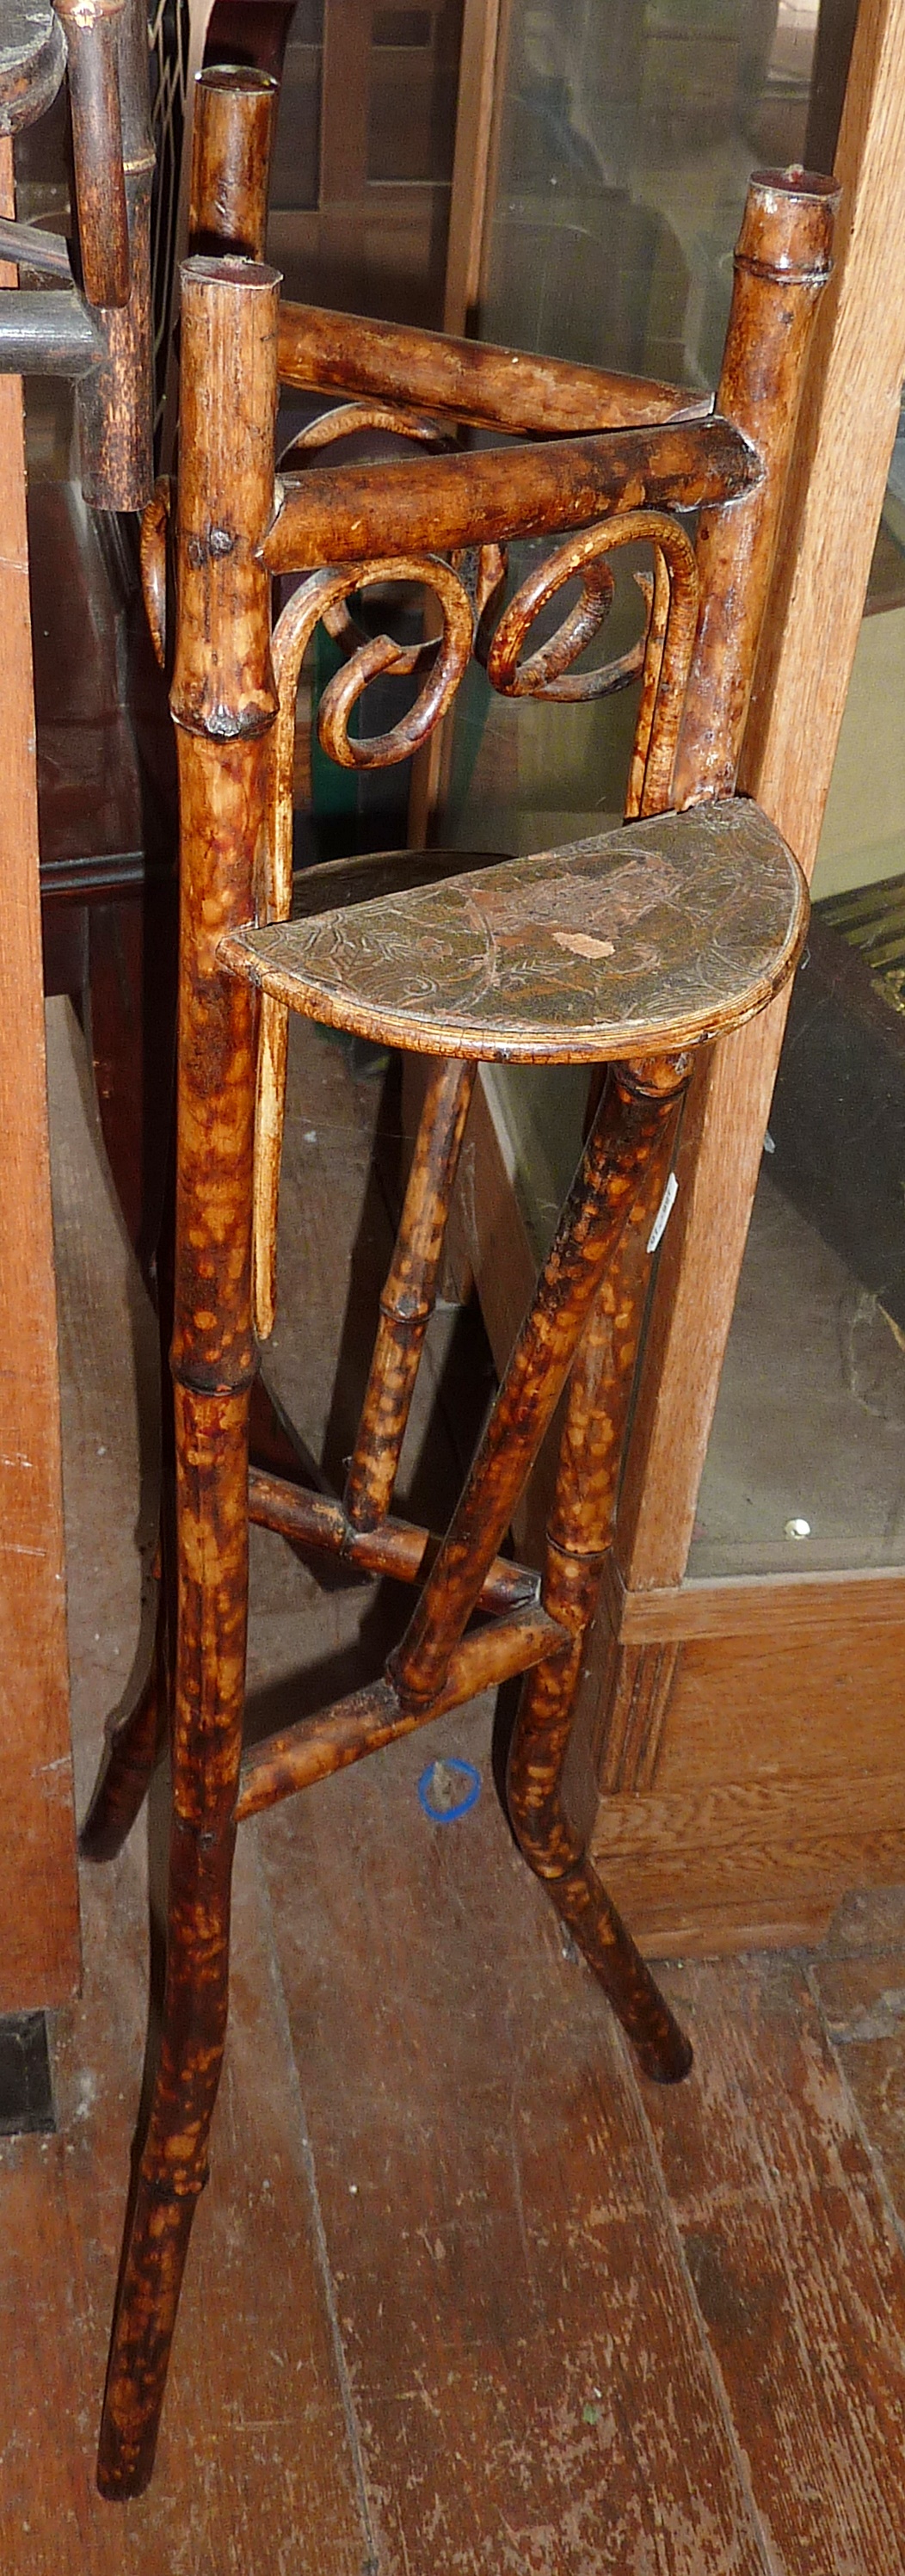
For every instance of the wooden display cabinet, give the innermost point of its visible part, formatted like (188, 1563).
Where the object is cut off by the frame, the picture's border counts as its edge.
(747, 1726)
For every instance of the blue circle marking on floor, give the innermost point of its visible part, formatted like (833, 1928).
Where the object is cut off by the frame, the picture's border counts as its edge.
(437, 1787)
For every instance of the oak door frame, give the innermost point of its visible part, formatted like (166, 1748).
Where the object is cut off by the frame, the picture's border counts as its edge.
(39, 1926)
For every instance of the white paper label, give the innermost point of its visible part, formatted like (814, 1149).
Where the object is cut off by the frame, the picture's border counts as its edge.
(664, 1213)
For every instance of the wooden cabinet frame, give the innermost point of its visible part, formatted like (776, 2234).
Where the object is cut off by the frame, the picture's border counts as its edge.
(39, 1938)
(745, 1732)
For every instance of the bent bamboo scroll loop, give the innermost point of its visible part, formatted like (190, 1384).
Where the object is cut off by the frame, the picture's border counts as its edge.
(663, 655)
(547, 673)
(327, 592)
(447, 655)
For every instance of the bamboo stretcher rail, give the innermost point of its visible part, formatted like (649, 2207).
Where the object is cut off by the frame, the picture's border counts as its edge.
(370, 1718)
(345, 513)
(398, 1548)
(48, 332)
(509, 389)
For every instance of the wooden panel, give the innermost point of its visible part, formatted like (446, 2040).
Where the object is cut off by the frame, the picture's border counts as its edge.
(770, 2179)
(848, 424)
(519, 2316)
(778, 1782)
(807, 1703)
(468, 202)
(39, 1951)
(712, 1867)
(805, 1828)
(344, 102)
(789, 1609)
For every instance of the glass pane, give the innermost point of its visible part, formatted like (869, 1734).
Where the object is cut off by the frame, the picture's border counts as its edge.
(295, 172)
(627, 137)
(412, 98)
(627, 133)
(817, 1480)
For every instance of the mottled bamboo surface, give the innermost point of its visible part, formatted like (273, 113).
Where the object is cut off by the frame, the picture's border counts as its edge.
(462, 2300)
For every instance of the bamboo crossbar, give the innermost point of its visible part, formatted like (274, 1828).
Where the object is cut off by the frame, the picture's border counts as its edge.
(28, 243)
(48, 332)
(348, 513)
(398, 1548)
(370, 1718)
(508, 389)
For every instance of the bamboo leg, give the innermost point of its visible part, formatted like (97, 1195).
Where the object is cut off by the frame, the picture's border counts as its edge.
(407, 1302)
(625, 1134)
(232, 138)
(552, 1812)
(224, 730)
(212, 1467)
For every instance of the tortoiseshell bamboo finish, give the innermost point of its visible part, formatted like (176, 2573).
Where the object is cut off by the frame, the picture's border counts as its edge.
(398, 1548)
(341, 513)
(782, 263)
(625, 1132)
(224, 705)
(407, 1302)
(375, 1716)
(551, 1811)
(343, 526)
(234, 112)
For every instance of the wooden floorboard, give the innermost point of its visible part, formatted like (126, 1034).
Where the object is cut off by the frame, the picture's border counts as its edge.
(254, 2449)
(796, 2262)
(526, 2355)
(462, 2299)
(861, 1992)
(255, 2456)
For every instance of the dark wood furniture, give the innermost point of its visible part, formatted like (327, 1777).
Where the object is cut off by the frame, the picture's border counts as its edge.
(106, 767)
(96, 333)
(628, 952)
